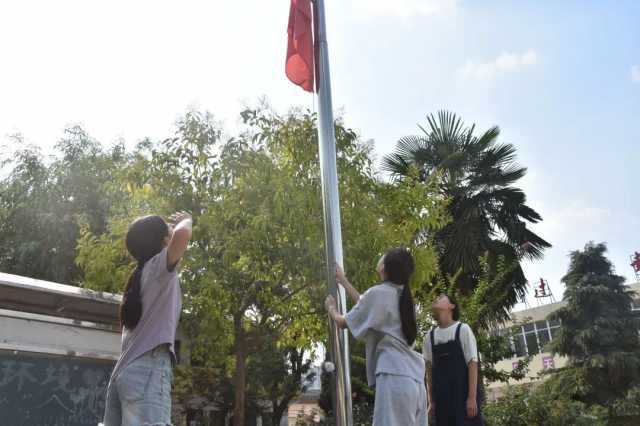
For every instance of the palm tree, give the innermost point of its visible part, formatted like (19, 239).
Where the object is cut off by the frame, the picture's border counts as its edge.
(489, 215)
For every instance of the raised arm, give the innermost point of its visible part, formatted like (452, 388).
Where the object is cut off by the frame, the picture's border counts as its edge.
(332, 309)
(344, 282)
(180, 239)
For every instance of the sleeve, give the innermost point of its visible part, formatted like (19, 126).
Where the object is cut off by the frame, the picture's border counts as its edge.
(469, 345)
(367, 314)
(158, 264)
(427, 353)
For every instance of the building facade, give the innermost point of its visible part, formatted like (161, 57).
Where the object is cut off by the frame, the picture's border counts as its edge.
(58, 345)
(529, 331)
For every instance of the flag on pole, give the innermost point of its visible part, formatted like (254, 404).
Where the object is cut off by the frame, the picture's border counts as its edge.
(300, 48)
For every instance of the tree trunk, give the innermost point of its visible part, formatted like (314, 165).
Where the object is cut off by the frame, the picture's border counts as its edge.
(278, 411)
(280, 408)
(240, 376)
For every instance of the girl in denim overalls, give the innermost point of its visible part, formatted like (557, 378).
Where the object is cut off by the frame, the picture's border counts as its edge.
(451, 353)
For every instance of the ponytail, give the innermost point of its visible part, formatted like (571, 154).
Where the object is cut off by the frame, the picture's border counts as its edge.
(408, 315)
(131, 307)
(145, 239)
(398, 267)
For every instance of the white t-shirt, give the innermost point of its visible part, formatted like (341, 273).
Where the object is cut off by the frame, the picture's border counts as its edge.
(376, 320)
(444, 335)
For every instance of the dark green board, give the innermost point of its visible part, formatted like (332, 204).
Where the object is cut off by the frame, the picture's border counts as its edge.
(43, 390)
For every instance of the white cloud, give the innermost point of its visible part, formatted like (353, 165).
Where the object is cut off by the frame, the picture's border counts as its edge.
(635, 73)
(405, 8)
(506, 61)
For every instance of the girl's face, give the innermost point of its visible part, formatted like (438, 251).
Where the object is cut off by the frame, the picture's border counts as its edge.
(380, 269)
(441, 306)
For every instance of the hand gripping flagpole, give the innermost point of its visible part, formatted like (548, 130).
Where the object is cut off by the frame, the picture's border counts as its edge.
(339, 342)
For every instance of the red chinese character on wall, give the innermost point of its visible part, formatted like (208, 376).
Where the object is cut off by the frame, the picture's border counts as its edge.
(547, 362)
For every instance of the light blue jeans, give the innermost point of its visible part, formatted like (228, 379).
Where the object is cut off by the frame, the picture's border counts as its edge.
(141, 394)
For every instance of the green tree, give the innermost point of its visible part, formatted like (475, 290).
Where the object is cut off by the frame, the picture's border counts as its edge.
(488, 214)
(278, 375)
(44, 201)
(598, 331)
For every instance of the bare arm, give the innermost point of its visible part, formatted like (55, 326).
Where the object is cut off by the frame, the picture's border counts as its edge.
(332, 310)
(180, 238)
(348, 288)
(472, 405)
(429, 388)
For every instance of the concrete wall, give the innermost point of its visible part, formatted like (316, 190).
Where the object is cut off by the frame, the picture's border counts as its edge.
(54, 371)
(44, 334)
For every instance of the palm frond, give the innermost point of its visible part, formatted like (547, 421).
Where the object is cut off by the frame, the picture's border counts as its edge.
(497, 156)
(396, 165)
(487, 139)
(529, 214)
(412, 148)
(498, 176)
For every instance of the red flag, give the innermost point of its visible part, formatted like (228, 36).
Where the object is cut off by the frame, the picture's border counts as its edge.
(300, 53)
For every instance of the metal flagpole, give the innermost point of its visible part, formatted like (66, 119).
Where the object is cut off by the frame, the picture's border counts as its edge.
(339, 342)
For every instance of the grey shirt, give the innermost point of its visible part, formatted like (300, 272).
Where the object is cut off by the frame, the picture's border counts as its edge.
(161, 307)
(376, 320)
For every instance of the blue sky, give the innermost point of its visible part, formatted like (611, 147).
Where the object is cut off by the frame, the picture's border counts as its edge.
(561, 79)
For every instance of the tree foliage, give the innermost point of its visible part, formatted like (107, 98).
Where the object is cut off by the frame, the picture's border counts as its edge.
(526, 405)
(489, 215)
(44, 201)
(598, 331)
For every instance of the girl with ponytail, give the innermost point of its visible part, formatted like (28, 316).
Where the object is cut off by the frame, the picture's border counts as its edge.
(139, 391)
(385, 318)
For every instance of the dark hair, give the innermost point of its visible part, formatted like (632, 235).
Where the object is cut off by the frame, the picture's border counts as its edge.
(398, 267)
(144, 240)
(456, 311)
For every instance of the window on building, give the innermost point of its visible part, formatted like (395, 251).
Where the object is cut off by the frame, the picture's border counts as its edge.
(531, 338)
(541, 325)
(532, 343)
(543, 338)
(520, 348)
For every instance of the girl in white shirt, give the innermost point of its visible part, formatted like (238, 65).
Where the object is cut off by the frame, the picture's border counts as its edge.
(384, 317)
